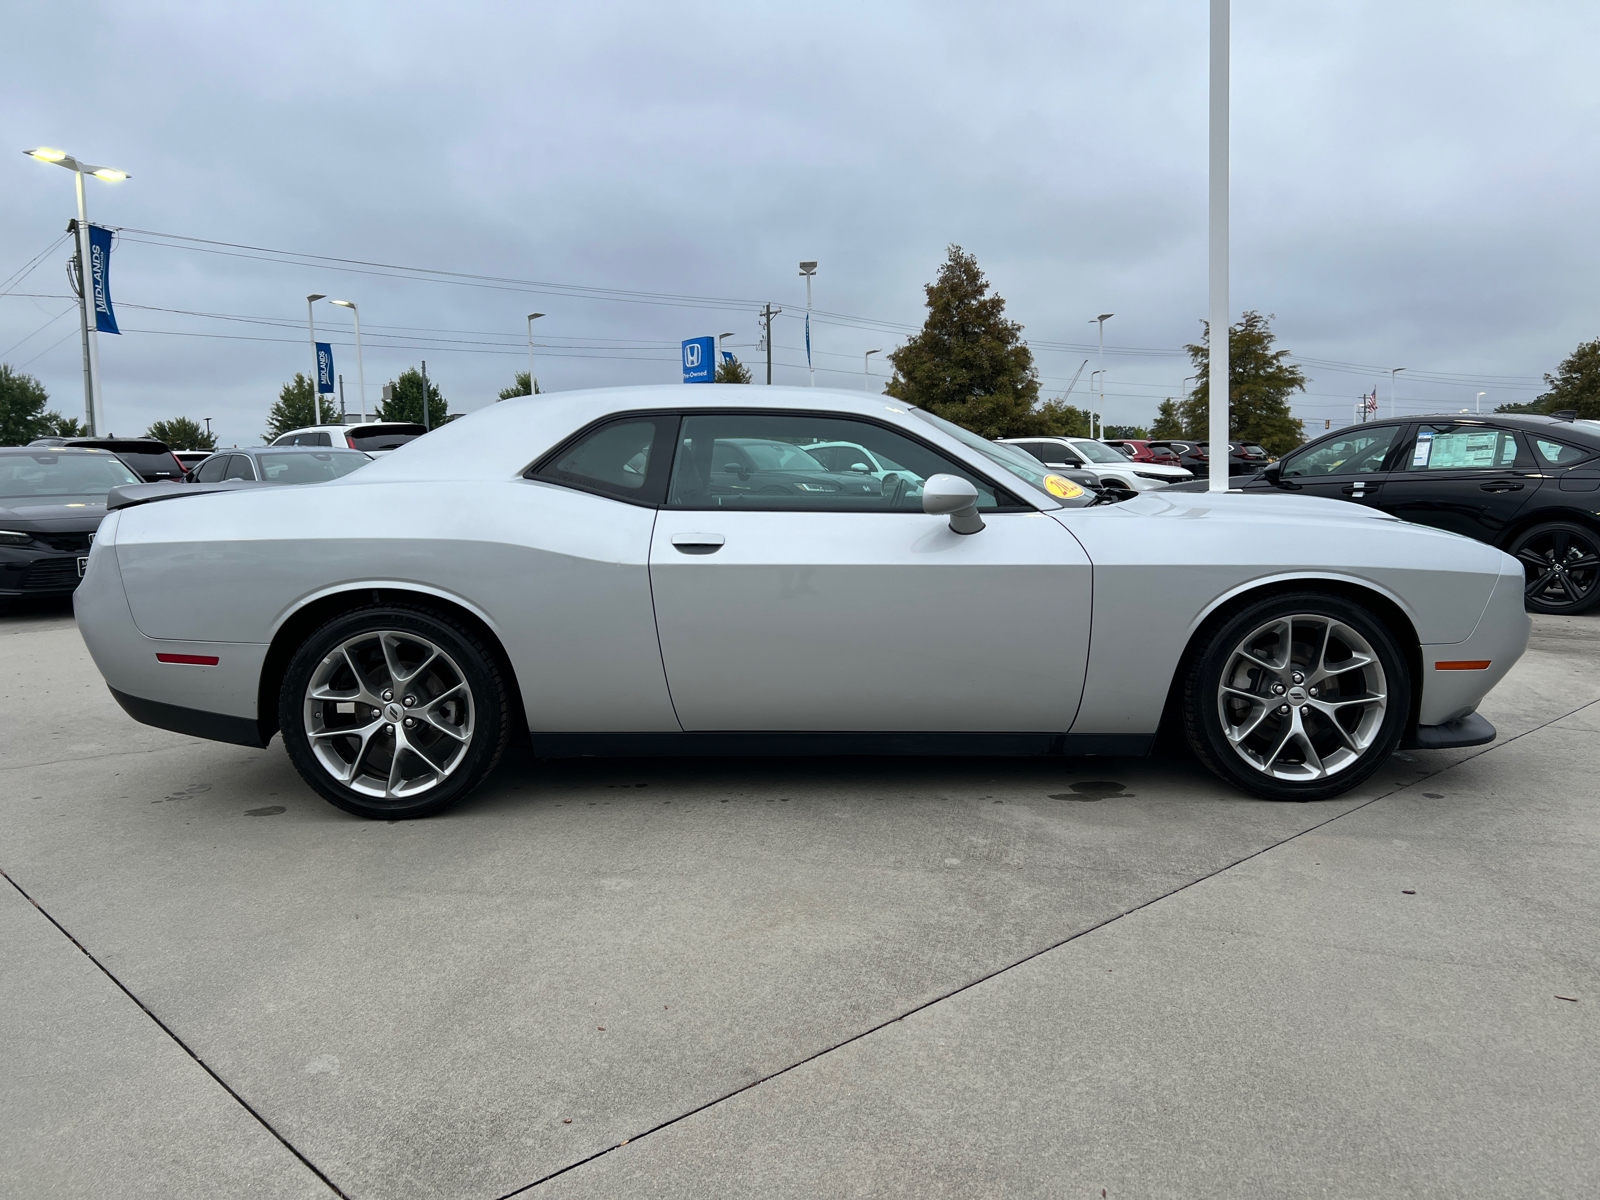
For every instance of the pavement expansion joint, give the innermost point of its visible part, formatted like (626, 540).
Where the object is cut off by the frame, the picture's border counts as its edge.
(181, 1044)
(956, 991)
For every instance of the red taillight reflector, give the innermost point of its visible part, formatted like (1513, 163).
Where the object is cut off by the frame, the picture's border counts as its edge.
(350, 441)
(1475, 664)
(190, 660)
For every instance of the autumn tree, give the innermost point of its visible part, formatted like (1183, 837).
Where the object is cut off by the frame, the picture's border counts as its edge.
(526, 385)
(405, 402)
(183, 433)
(298, 406)
(969, 363)
(1260, 382)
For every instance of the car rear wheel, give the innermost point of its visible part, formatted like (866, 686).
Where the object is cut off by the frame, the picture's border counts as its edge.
(1298, 697)
(394, 712)
(1561, 567)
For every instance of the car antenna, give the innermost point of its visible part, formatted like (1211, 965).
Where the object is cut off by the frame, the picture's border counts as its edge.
(1566, 414)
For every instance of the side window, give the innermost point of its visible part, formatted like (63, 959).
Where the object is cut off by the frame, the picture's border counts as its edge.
(781, 462)
(1461, 447)
(239, 467)
(211, 470)
(1555, 454)
(625, 458)
(1358, 452)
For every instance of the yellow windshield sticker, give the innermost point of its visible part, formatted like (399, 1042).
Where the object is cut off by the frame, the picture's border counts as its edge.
(1062, 488)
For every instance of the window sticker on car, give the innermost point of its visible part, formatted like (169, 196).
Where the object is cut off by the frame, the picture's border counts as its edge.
(1062, 488)
(1419, 456)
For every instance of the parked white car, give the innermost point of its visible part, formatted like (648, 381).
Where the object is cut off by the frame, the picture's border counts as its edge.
(371, 437)
(617, 572)
(1109, 463)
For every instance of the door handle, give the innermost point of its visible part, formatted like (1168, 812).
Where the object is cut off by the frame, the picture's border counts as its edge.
(698, 543)
(1359, 489)
(1500, 485)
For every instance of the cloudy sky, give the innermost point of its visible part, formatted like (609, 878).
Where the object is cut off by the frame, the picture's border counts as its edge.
(1413, 185)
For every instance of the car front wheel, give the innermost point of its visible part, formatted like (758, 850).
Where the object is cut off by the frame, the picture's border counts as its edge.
(394, 712)
(1561, 567)
(1297, 697)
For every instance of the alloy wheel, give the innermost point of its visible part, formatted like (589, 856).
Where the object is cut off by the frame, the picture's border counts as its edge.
(1561, 568)
(389, 714)
(1302, 697)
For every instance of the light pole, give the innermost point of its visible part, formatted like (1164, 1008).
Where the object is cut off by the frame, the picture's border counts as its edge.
(361, 371)
(1217, 220)
(718, 366)
(532, 317)
(1477, 405)
(1393, 372)
(94, 410)
(809, 270)
(1092, 375)
(866, 379)
(316, 367)
(1101, 321)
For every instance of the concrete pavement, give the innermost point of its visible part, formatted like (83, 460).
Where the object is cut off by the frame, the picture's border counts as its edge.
(422, 1008)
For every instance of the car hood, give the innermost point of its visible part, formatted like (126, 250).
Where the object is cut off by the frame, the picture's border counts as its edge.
(47, 518)
(1255, 507)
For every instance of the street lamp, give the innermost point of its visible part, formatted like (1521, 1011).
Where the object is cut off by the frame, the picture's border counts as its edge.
(532, 317)
(1395, 371)
(94, 411)
(809, 269)
(1477, 405)
(1101, 320)
(1092, 375)
(717, 366)
(361, 371)
(1218, 366)
(866, 382)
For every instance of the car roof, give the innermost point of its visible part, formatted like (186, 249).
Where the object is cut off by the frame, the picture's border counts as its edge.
(72, 450)
(1527, 422)
(129, 445)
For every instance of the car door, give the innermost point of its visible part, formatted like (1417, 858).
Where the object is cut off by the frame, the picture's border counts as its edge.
(845, 612)
(1349, 466)
(1467, 477)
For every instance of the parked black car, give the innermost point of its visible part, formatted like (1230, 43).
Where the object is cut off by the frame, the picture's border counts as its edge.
(151, 459)
(1527, 484)
(51, 501)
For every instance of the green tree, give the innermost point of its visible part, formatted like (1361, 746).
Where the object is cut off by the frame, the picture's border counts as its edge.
(1123, 432)
(67, 426)
(1575, 385)
(22, 412)
(1260, 383)
(969, 363)
(731, 370)
(1059, 419)
(1168, 423)
(405, 404)
(183, 433)
(298, 406)
(525, 385)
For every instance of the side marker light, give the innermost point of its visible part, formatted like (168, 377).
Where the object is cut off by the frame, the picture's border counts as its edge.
(189, 660)
(1475, 664)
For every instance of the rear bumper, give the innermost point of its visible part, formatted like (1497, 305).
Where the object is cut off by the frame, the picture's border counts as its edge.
(216, 727)
(1470, 730)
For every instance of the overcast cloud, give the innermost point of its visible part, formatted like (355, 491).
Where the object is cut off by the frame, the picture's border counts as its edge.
(1413, 186)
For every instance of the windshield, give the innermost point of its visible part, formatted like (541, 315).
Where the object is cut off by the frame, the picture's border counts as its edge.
(52, 478)
(1015, 461)
(1098, 451)
(301, 466)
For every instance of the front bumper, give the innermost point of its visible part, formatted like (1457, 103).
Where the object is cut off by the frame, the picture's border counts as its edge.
(1470, 730)
(27, 571)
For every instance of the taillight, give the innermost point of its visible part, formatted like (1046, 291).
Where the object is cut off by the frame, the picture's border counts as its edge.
(178, 462)
(350, 441)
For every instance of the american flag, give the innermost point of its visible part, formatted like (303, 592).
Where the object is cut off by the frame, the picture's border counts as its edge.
(1372, 401)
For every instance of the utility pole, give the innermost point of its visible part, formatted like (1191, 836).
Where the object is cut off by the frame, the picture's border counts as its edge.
(767, 314)
(342, 421)
(425, 423)
(75, 275)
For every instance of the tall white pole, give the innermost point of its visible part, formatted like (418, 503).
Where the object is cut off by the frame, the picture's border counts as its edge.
(316, 366)
(810, 363)
(97, 409)
(532, 317)
(361, 370)
(1392, 374)
(1217, 308)
(1477, 405)
(866, 376)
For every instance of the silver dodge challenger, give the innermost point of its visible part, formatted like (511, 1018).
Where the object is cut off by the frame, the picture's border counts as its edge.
(668, 570)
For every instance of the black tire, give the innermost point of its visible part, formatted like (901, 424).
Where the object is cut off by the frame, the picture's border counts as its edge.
(1561, 567)
(460, 718)
(1338, 730)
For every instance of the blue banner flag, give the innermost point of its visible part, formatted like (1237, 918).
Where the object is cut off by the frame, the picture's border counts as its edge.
(105, 320)
(699, 359)
(324, 367)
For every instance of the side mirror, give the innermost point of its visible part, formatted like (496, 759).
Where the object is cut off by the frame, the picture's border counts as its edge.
(954, 497)
(862, 467)
(1272, 473)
